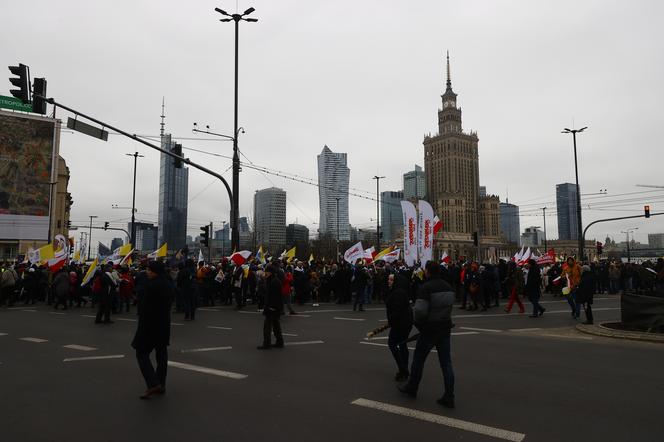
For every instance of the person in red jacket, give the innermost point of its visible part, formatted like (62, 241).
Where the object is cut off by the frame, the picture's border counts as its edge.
(126, 288)
(286, 285)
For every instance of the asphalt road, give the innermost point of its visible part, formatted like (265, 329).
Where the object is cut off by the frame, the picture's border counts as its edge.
(517, 378)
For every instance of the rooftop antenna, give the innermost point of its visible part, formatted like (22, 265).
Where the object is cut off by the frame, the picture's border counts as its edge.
(161, 132)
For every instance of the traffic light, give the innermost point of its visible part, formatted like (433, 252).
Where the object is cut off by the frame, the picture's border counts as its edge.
(476, 239)
(177, 150)
(205, 236)
(39, 91)
(106, 225)
(600, 248)
(646, 209)
(21, 81)
(68, 224)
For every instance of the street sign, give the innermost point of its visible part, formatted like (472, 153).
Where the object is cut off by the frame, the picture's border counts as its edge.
(87, 129)
(14, 104)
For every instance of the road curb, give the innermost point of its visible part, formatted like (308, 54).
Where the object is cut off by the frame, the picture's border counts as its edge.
(600, 330)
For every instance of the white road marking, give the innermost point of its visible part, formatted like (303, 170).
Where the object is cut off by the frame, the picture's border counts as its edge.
(79, 347)
(524, 329)
(88, 316)
(15, 308)
(37, 340)
(219, 328)
(441, 420)
(304, 343)
(176, 323)
(376, 338)
(373, 343)
(587, 338)
(481, 329)
(212, 371)
(349, 319)
(246, 312)
(289, 334)
(341, 311)
(3, 334)
(126, 319)
(382, 320)
(28, 310)
(548, 312)
(197, 350)
(57, 313)
(464, 333)
(300, 315)
(93, 358)
(207, 309)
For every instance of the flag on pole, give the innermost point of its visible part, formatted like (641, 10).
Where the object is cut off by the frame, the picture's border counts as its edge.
(289, 255)
(382, 253)
(425, 232)
(239, 258)
(445, 258)
(354, 253)
(42, 254)
(369, 254)
(437, 225)
(311, 258)
(127, 258)
(90, 273)
(392, 256)
(159, 253)
(260, 256)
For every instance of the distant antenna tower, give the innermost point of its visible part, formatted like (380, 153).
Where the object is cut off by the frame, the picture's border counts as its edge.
(161, 132)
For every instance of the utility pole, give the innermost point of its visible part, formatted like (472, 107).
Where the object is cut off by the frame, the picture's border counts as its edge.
(627, 232)
(546, 249)
(90, 236)
(133, 201)
(210, 244)
(378, 178)
(235, 234)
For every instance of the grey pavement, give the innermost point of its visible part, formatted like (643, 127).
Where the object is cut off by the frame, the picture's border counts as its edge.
(518, 378)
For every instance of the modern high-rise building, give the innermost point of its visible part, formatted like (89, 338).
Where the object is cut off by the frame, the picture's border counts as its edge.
(482, 191)
(509, 222)
(270, 218)
(451, 165)
(173, 191)
(656, 240)
(532, 237)
(146, 236)
(115, 243)
(296, 235)
(391, 218)
(566, 208)
(333, 180)
(414, 184)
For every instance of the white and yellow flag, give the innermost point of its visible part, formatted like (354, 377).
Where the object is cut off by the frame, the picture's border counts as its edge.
(159, 253)
(90, 273)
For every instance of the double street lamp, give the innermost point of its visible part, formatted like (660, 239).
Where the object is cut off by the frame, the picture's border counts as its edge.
(578, 191)
(235, 232)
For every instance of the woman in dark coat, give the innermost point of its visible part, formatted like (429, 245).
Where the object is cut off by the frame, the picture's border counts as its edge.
(400, 320)
(154, 329)
(533, 288)
(584, 294)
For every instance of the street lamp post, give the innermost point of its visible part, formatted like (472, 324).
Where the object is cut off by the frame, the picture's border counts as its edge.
(235, 234)
(51, 205)
(378, 178)
(627, 232)
(546, 249)
(133, 201)
(337, 198)
(578, 190)
(90, 236)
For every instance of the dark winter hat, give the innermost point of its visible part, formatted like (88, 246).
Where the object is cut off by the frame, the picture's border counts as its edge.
(156, 267)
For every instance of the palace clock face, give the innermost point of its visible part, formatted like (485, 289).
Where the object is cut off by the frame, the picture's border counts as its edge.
(448, 104)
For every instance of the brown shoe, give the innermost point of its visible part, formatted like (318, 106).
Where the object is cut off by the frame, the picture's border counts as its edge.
(153, 391)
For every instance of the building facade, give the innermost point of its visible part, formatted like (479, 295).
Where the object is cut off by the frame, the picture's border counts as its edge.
(115, 243)
(532, 237)
(270, 218)
(510, 225)
(173, 193)
(414, 184)
(656, 240)
(489, 216)
(566, 209)
(296, 235)
(146, 236)
(333, 181)
(391, 218)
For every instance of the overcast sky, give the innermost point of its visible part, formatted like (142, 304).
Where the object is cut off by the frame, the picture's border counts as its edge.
(363, 77)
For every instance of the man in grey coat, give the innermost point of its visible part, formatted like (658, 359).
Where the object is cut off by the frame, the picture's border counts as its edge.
(432, 315)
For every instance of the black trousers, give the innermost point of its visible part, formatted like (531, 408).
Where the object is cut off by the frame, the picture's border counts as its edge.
(589, 311)
(271, 324)
(153, 377)
(104, 309)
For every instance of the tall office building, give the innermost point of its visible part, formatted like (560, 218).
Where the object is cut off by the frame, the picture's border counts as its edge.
(391, 218)
(451, 166)
(414, 184)
(146, 236)
(333, 179)
(656, 240)
(566, 208)
(173, 191)
(509, 222)
(297, 235)
(270, 218)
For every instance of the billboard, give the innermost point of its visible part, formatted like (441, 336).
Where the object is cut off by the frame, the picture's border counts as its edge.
(28, 152)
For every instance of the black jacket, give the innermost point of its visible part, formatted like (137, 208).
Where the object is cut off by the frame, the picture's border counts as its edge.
(433, 307)
(274, 301)
(154, 319)
(586, 288)
(397, 304)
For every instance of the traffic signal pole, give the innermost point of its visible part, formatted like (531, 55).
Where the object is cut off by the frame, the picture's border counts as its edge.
(583, 236)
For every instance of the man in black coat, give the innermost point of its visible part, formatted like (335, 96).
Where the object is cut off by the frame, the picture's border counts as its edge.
(154, 329)
(274, 308)
(400, 320)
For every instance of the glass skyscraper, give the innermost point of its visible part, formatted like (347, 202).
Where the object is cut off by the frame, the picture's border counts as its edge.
(333, 179)
(566, 208)
(173, 191)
